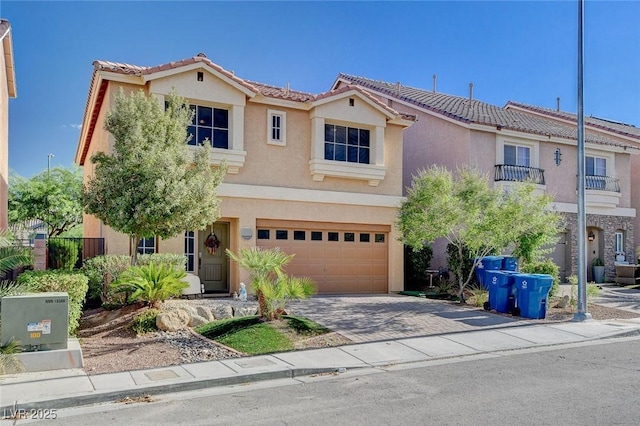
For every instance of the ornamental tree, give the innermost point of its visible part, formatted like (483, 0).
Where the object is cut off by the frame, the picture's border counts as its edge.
(470, 215)
(53, 197)
(152, 183)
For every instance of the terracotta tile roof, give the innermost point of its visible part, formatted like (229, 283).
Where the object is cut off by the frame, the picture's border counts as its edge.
(121, 68)
(281, 92)
(600, 123)
(474, 111)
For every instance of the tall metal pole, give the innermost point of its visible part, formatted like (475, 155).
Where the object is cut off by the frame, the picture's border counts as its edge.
(49, 164)
(582, 313)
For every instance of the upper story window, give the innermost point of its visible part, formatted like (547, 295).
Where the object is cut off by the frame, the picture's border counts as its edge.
(596, 166)
(211, 125)
(147, 245)
(276, 126)
(349, 144)
(516, 155)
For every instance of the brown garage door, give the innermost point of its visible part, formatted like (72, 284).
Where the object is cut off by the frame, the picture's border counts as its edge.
(341, 258)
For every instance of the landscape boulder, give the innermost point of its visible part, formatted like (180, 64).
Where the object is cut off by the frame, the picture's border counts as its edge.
(173, 320)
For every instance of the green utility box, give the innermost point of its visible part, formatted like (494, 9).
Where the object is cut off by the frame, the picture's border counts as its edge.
(38, 321)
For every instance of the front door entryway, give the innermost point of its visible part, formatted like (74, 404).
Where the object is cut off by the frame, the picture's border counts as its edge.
(213, 268)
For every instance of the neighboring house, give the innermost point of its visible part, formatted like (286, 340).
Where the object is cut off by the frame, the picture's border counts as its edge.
(512, 146)
(612, 129)
(7, 90)
(317, 175)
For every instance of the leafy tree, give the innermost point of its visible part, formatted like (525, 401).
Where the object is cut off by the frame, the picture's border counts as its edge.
(471, 216)
(268, 279)
(151, 184)
(53, 197)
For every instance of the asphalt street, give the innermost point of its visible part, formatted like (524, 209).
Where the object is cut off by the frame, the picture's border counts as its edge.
(593, 383)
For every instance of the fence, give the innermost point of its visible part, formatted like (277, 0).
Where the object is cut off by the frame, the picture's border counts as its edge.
(70, 253)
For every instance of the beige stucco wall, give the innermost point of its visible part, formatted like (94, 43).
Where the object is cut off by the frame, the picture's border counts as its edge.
(4, 141)
(278, 177)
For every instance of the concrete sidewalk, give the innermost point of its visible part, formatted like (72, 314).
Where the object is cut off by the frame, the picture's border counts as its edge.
(70, 388)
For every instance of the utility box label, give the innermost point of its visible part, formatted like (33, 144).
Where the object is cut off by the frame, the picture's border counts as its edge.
(44, 327)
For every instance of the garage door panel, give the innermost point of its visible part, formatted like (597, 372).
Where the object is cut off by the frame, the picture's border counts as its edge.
(356, 266)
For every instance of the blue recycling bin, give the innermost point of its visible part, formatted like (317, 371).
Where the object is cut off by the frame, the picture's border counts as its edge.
(532, 294)
(510, 263)
(487, 263)
(501, 290)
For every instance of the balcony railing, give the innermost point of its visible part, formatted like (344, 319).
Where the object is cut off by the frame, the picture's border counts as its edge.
(602, 183)
(512, 173)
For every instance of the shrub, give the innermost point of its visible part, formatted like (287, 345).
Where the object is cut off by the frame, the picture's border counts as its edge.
(101, 270)
(593, 290)
(416, 265)
(179, 261)
(63, 253)
(152, 283)
(478, 296)
(145, 322)
(73, 283)
(544, 267)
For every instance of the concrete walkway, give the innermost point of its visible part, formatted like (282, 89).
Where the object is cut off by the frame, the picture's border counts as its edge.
(393, 330)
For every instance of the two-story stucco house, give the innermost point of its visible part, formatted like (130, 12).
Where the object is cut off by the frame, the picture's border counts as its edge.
(7, 90)
(513, 145)
(316, 175)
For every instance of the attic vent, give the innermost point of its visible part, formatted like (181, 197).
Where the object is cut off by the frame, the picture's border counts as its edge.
(200, 76)
(352, 102)
(201, 55)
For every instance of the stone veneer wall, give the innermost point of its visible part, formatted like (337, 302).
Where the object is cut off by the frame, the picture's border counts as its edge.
(609, 226)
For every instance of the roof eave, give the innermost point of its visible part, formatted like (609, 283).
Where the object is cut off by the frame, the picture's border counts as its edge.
(9, 64)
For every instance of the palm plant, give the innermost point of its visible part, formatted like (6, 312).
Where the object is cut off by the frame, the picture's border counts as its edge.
(153, 283)
(11, 256)
(272, 285)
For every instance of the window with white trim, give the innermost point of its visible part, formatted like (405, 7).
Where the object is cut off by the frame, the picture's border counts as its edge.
(190, 250)
(147, 245)
(595, 166)
(619, 243)
(276, 126)
(209, 125)
(348, 144)
(517, 155)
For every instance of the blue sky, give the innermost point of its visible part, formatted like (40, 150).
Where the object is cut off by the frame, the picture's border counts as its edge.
(521, 51)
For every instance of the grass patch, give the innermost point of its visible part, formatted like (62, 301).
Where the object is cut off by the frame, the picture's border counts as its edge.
(257, 339)
(247, 334)
(216, 329)
(305, 326)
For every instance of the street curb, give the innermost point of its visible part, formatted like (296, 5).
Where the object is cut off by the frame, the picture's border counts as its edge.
(113, 396)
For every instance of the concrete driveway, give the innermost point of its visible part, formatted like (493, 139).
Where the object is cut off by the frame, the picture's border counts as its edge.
(367, 318)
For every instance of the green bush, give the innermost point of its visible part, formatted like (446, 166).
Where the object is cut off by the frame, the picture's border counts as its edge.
(63, 253)
(152, 283)
(101, 271)
(416, 265)
(544, 267)
(145, 322)
(175, 259)
(73, 283)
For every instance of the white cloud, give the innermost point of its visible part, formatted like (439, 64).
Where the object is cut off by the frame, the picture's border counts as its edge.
(76, 126)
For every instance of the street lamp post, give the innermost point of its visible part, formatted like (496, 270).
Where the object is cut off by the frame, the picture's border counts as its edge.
(49, 163)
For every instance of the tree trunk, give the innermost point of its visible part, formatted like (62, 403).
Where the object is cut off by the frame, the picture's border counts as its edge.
(135, 240)
(262, 305)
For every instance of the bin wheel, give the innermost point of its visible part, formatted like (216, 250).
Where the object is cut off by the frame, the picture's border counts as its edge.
(515, 312)
(486, 306)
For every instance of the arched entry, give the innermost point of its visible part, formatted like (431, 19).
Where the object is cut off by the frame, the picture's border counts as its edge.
(594, 248)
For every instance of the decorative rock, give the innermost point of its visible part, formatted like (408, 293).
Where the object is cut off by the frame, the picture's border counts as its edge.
(222, 311)
(205, 313)
(243, 311)
(189, 310)
(197, 321)
(563, 302)
(172, 320)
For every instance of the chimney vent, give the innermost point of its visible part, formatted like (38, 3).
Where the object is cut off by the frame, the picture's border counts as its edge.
(558, 104)
(435, 81)
(470, 91)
